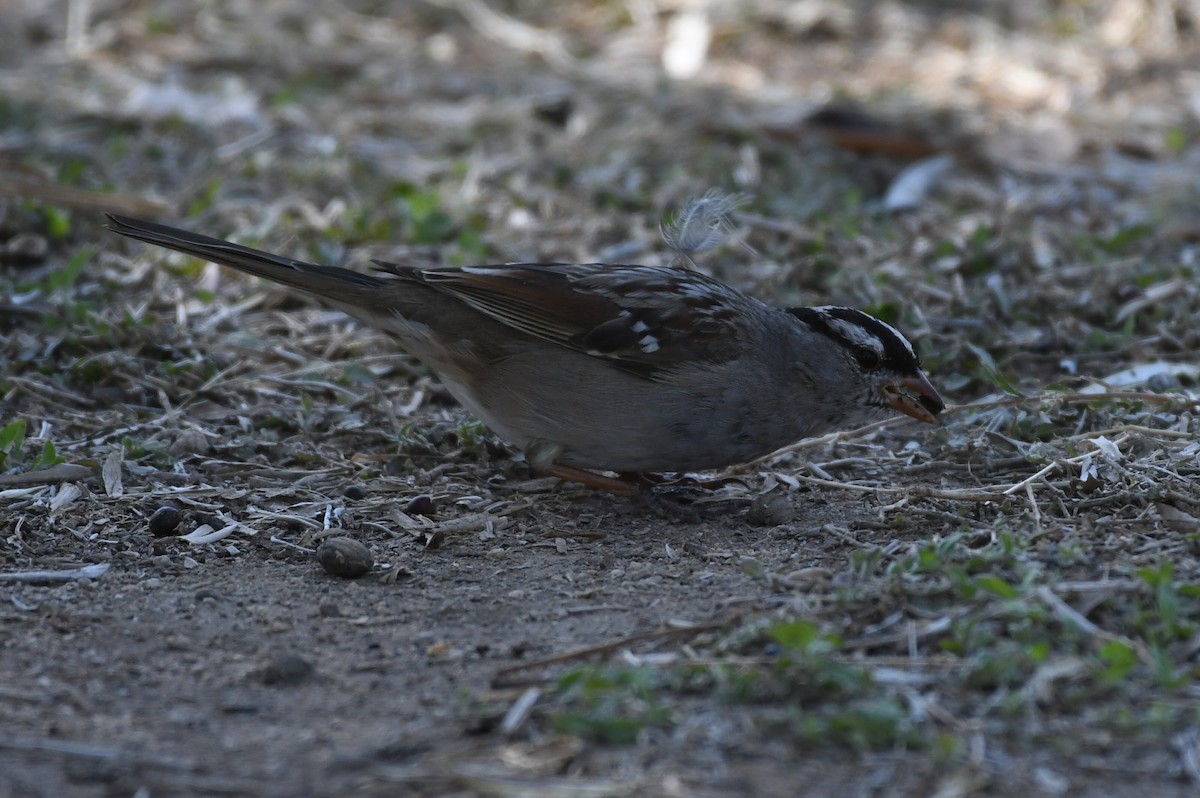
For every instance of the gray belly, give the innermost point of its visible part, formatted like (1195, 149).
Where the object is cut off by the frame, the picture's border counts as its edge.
(593, 416)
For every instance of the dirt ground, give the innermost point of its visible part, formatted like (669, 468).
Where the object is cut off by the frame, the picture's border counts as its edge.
(1005, 604)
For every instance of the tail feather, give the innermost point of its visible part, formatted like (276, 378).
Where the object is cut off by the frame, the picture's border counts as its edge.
(321, 281)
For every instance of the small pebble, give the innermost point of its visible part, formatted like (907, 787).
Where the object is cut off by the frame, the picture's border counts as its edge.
(773, 508)
(421, 505)
(354, 492)
(286, 669)
(208, 519)
(189, 441)
(26, 249)
(344, 557)
(165, 521)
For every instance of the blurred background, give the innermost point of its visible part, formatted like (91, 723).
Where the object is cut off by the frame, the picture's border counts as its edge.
(951, 161)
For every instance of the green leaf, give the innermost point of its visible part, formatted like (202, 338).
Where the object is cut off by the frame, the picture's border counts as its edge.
(58, 221)
(1164, 668)
(1119, 659)
(1153, 577)
(12, 443)
(753, 568)
(1176, 140)
(356, 373)
(65, 277)
(48, 458)
(612, 730)
(1126, 236)
(795, 635)
(996, 586)
(991, 372)
(204, 200)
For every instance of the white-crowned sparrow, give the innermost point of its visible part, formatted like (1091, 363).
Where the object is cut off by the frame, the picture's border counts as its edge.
(614, 368)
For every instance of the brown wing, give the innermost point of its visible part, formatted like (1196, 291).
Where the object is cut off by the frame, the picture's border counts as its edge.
(644, 319)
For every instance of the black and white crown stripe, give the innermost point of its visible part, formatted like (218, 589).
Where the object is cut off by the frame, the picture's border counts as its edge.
(874, 343)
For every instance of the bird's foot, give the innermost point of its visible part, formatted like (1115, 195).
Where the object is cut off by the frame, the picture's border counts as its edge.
(622, 486)
(669, 496)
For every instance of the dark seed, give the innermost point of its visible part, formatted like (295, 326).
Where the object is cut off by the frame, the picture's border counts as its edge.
(344, 557)
(420, 505)
(555, 110)
(354, 492)
(164, 521)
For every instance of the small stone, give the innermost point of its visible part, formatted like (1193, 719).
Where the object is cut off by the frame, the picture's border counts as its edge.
(208, 519)
(189, 442)
(164, 521)
(772, 508)
(287, 669)
(421, 505)
(26, 249)
(354, 492)
(344, 557)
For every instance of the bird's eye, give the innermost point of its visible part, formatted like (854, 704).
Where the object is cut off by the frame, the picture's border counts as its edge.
(867, 358)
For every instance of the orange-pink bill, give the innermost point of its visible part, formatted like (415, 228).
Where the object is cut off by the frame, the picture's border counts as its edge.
(916, 397)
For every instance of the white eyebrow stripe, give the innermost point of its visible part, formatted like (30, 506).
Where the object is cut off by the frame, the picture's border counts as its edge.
(859, 335)
(898, 336)
(856, 334)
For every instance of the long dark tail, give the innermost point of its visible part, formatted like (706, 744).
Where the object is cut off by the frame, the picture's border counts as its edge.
(321, 281)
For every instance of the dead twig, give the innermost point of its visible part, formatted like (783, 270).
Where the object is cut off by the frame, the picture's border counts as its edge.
(502, 677)
(26, 187)
(55, 577)
(63, 472)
